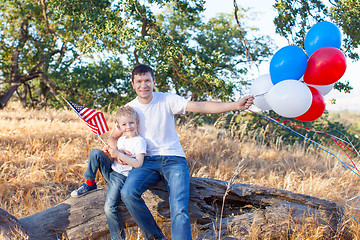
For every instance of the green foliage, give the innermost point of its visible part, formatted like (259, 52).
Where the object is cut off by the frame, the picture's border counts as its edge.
(96, 85)
(343, 87)
(295, 18)
(346, 13)
(98, 26)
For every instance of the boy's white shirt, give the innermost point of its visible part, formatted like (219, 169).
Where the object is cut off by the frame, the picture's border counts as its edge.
(134, 145)
(157, 123)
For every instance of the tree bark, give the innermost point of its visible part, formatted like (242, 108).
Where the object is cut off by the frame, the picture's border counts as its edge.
(245, 206)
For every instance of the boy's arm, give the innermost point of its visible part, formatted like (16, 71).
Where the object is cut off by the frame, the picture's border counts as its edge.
(114, 136)
(219, 107)
(112, 142)
(135, 162)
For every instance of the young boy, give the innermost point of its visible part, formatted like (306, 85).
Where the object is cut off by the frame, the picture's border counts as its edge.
(129, 153)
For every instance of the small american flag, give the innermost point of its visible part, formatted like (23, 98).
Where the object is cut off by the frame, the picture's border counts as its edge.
(94, 119)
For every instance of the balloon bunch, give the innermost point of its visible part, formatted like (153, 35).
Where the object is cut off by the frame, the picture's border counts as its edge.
(296, 84)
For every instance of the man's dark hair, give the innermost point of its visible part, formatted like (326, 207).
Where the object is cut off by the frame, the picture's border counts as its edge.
(142, 69)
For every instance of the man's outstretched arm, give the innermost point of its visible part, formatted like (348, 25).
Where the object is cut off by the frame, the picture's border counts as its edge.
(220, 107)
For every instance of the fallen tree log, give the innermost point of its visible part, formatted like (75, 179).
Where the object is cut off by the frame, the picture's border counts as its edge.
(245, 205)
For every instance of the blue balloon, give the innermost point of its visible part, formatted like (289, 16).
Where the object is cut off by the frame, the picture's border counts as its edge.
(322, 34)
(288, 63)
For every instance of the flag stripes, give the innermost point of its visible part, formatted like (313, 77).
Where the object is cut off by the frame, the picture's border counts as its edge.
(94, 119)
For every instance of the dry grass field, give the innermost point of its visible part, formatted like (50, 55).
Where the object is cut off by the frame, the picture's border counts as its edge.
(43, 154)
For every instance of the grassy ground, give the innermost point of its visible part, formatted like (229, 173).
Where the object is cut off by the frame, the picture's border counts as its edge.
(44, 154)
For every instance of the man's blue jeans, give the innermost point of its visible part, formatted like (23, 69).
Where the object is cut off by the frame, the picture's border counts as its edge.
(175, 173)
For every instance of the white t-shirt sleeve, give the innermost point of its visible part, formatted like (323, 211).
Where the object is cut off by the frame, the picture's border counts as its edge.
(140, 146)
(177, 103)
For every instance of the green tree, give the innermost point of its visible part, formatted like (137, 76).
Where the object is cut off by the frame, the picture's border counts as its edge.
(32, 45)
(346, 13)
(96, 84)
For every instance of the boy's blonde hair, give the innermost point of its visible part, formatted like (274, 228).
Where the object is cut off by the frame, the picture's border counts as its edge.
(125, 111)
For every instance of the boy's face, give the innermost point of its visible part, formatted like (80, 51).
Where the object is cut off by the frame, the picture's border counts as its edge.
(128, 126)
(144, 85)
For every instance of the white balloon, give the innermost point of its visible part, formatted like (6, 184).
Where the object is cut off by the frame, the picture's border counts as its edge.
(323, 89)
(259, 88)
(289, 98)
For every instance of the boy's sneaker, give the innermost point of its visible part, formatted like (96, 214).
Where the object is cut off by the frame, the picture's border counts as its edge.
(83, 190)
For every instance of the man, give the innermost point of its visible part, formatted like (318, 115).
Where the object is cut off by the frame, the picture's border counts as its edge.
(165, 159)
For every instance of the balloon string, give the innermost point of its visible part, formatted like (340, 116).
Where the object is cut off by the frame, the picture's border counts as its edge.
(329, 151)
(352, 207)
(259, 95)
(334, 138)
(276, 121)
(339, 140)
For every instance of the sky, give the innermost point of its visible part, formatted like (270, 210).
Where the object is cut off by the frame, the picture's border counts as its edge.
(264, 21)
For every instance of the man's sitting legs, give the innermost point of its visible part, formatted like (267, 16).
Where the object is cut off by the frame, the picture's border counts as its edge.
(138, 181)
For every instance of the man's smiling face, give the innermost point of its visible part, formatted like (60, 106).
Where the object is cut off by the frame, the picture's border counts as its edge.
(144, 85)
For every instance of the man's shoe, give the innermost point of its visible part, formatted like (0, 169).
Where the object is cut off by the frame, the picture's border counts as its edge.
(83, 190)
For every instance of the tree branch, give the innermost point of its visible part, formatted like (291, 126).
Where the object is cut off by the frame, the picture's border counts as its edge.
(48, 29)
(246, 44)
(45, 59)
(136, 56)
(23, 37)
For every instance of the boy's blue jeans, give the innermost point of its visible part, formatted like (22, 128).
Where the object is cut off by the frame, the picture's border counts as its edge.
(175, 173)
(111, 206)
(99, 161)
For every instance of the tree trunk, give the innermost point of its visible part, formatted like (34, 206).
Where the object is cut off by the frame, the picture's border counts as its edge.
(245, 206)
(5, 96)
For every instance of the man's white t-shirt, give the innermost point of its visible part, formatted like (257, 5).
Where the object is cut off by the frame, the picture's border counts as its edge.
(157, 123)
(134, 145)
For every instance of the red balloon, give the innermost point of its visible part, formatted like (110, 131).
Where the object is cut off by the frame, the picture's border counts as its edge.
(325, 66)
(316, 109)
